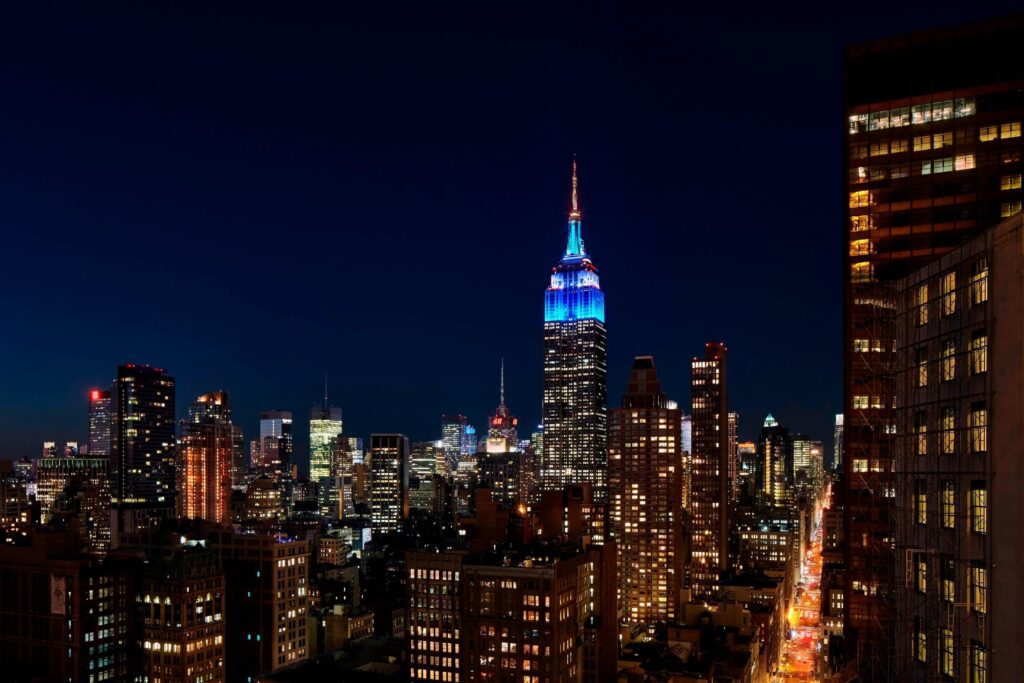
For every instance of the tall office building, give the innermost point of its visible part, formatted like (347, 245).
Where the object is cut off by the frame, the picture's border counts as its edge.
(237, 457)
(837, 444)
(503, 433)
(933, 156)
(142, 446)
(959, 476)
(575, 369)
(709, 495)
(774, 464)
(205, 459)
(644, 490)
(453, 435)
(99, 423)
(325, 429)
(734, 464)
(686, 434)
(389, 482)
(276, 442)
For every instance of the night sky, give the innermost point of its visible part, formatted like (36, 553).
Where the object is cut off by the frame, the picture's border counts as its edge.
(251, 198)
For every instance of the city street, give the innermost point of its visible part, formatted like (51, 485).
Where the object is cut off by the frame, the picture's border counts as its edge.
(800, 651)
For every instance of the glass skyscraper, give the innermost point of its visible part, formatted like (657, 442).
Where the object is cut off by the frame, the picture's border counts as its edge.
(99, 423)
(575, 369)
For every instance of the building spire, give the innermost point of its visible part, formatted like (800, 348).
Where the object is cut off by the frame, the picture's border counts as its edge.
(501, 401)
(575, 244)
(325, 390)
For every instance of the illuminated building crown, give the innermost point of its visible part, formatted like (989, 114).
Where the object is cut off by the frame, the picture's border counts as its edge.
(575, 289)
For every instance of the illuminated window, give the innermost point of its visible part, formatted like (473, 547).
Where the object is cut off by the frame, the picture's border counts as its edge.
(940, 140)
(921, 643)
(979, 663)
(944, 165)
(949, 293)
(948, 360)
(979, 352)
(858, 123)
(922, 366)
(948, 430)
(861, 271)
(922, 143)
(986, 133)
(1010, 130)
(948, 504)
(964, 162)
(879, 149)
(861, 345)
(947, 568)
(979, 507)
(921, 301)
(860, 247)
(942, 110)
(899, 117)
(922, 574)
(859, 174)
(860, 223)
(979, 587)
(1007, 209)
(921, 427)
(979, 281)
(1010, 182)
(979, 427)
(920, 502)
(921, 113)
(859, 198)
(947, 652)
(860, 402)
(964, 107)
(898, 145)
(878, 120)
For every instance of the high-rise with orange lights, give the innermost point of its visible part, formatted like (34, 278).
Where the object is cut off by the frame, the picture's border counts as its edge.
(205, 454)
(645, 488)
(933, 157)
(709, 496)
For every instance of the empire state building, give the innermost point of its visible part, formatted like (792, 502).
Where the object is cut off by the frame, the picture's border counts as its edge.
(575, 369)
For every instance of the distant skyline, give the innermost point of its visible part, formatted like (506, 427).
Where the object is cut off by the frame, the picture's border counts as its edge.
(252, 200)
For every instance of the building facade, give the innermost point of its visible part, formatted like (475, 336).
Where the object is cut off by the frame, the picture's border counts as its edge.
(205, 459)
(709, 495)
(958, 472)
(99, 423)
(575, 369)
(143, 446)
(389, 482)
(645, 488)
(933, 156)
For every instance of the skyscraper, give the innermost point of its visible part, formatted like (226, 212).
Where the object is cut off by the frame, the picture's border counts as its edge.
(325, 426)
(734, 465)
(325, 429)
(774, 459)
(143, 446)
(389, 482)
(453, 436)
(709, 496)
(206, 450)
(837, 445)
(645, 490)
(503, 434)
(276, 442)
(99, 423)
(933, 156)
(575, 369)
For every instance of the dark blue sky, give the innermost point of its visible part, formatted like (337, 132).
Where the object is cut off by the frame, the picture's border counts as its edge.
(251, 197)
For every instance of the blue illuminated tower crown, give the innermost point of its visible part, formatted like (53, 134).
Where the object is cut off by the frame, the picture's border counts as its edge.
(575, 289)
